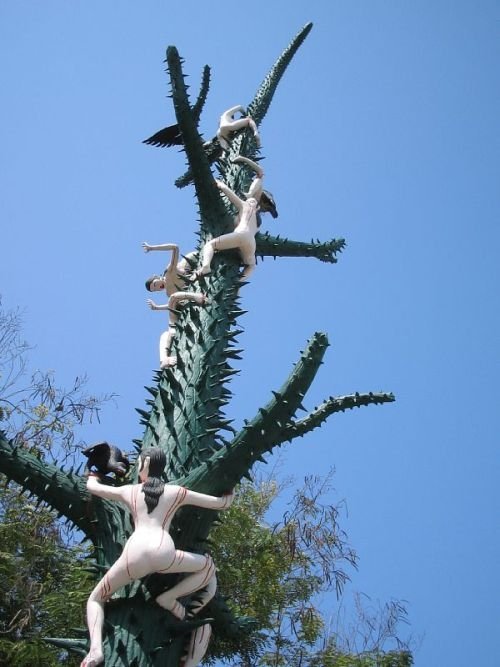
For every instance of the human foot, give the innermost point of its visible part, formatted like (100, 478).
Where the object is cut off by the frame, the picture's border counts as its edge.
(92, 659)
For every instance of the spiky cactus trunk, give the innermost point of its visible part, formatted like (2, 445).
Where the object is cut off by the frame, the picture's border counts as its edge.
(185, 411)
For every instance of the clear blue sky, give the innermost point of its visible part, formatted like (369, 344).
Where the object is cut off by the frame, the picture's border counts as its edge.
(385, 132)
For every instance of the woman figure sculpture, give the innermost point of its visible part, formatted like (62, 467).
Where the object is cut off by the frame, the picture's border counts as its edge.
(151, 549)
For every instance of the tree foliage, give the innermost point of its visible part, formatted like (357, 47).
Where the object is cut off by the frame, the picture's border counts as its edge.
(279, 572)
(43, 585)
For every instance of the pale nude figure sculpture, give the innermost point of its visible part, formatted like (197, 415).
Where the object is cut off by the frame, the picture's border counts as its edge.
(174, 278)
(228, 125)
(150, 548)
(246, 224)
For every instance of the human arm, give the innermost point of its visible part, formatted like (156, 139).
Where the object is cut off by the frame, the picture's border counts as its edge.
(164, 246)
(117, 493)
(227, 115)
(156, 306)
(208, 502)
(233, 198)
(250, 163)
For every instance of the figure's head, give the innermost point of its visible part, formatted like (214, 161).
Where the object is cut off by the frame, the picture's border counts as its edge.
(151, 463)
(155, 284)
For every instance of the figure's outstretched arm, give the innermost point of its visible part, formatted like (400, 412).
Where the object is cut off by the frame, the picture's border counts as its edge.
(165, 246)
(208, 502)
(118, 493)
(226, 116)
(233, 198)
(156, 306)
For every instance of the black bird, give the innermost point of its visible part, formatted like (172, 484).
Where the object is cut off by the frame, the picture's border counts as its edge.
(106, 458)
(267, 204)
(168, 136)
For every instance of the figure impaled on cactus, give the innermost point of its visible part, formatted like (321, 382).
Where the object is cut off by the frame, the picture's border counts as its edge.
(246, 225)
(228, 125)
(150, 548)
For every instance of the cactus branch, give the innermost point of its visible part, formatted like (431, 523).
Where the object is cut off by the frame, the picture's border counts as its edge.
(227, 467)
(274, 246)
(211, 206)
(202, 95)
(62, 491)
(264, 95)
(329, 407)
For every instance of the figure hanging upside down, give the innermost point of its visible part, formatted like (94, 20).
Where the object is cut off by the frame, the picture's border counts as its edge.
(150, 549)
(246, 224)
(228, 125)
(174, 278)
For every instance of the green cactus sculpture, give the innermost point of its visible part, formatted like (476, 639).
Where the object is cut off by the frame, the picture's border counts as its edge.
(185, 413)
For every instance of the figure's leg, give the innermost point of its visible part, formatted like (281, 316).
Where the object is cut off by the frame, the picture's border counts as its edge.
(239, 124)
(175, 300)
(198, 644)
(116, 577)
(166, 339)
(224, 242)
(206, 260)
(223, 140)
(187, 263)
(248, 257)
(204, 596)
(255, 131)
(178, 297)
(201, 570)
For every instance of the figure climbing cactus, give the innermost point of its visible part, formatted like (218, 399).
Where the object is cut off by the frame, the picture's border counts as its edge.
(185, 417)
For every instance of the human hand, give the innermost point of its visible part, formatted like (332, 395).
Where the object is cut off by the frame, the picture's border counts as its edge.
(146, 246)
(151, 304)
(228, 499)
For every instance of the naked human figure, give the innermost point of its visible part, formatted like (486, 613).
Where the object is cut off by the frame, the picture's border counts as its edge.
(243, 237)
(150, 548)
(246, 222)
(174, 278)
(228, 125)
(176, 274)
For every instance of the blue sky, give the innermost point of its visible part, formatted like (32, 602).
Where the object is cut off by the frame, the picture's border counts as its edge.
(384, 131)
